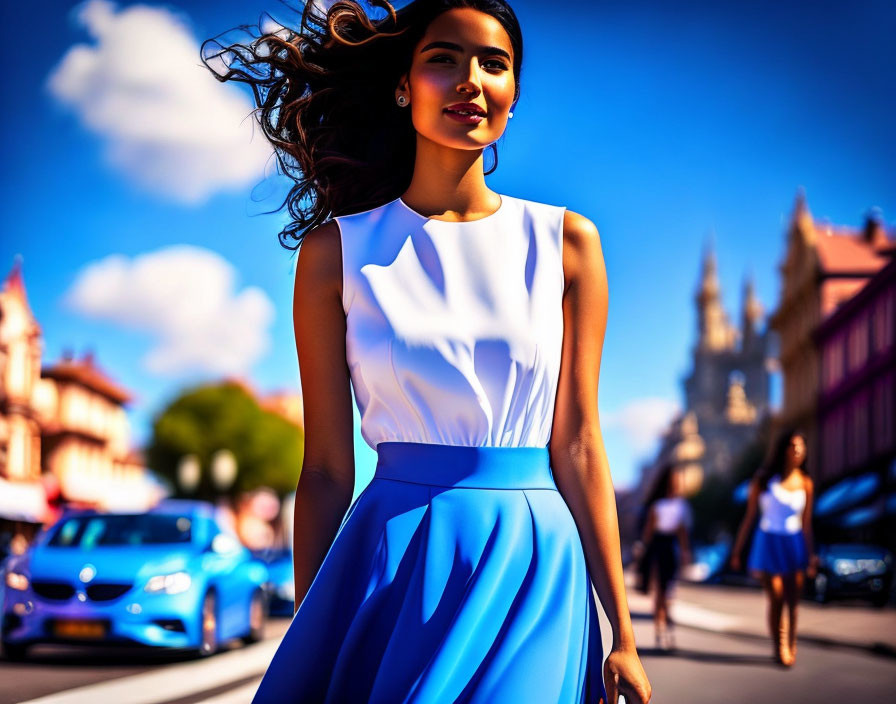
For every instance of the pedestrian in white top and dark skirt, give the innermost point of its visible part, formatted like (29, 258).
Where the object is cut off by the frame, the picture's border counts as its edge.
(781, 551)
(664, 547)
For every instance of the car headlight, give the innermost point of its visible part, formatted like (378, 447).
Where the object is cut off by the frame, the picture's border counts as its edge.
(845, 567)
(872, 566)
(16, 580)
(173, 583)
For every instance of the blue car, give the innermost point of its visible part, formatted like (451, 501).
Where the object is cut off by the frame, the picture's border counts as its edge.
(853, 570)
(172, 577)
(709, 562)
(281, 587)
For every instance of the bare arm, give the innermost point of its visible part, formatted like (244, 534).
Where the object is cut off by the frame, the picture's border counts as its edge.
(326, 483)
(684, 543)
(807, 526)
(578, 458)
(745, 525)
(684, 530)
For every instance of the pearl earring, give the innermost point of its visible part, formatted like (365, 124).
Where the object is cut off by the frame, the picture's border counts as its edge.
(402, 100)
(510, 114)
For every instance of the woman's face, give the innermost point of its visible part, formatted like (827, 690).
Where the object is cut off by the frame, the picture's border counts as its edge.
(464, 57)
(796, 450)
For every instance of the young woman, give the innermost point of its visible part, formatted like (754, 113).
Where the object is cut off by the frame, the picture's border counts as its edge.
(665, 546)
(470, 325)
(782, 493)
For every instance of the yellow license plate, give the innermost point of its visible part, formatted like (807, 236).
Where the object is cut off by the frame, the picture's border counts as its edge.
(80, 629)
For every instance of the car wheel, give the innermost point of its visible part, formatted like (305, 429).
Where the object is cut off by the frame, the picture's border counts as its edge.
(258, 615)
(208, 626)
(15, 652)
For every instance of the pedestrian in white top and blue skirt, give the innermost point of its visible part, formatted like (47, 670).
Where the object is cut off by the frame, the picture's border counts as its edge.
(781, 551)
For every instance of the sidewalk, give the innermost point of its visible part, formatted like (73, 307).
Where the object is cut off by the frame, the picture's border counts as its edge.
(741, 611)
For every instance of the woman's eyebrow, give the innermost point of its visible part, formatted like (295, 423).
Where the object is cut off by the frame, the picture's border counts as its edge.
(458, 47)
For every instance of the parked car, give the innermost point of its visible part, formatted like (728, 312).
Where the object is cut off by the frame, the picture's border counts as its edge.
(853, 570)
(171, 577)
(281, 585)
(709, 563)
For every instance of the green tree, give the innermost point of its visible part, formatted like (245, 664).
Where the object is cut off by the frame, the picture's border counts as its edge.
(268, 448)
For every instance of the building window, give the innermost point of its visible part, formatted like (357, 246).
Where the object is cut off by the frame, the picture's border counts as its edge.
(883, 315)
(884, 414)
(858, 343)
(832, 456)
(833, 362)
(857, 431)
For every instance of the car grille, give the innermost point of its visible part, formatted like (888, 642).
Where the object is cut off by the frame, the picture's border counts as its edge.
(55, 591)
(63, 591)
(106, 592)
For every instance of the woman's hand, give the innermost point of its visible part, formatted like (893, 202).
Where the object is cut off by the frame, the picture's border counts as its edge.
(624, 674)
(735, 561)
(812, 569)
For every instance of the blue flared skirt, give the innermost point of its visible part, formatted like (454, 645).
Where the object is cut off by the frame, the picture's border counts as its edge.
(457, 575)
(777, 553)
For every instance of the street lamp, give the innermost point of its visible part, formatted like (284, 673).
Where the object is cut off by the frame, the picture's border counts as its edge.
(224, 469)
(188, 472)
(224, 472)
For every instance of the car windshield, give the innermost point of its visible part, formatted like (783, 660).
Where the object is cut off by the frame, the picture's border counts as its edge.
(86, 532)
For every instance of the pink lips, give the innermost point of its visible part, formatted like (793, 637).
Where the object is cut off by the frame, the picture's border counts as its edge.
(473, 114)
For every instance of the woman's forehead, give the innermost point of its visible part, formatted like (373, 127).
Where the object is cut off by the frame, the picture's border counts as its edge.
(468, 28)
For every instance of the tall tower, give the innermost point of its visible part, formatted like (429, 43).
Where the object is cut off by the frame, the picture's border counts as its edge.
(727, 389)
(750, 315)
(21, 348)
(715, 331)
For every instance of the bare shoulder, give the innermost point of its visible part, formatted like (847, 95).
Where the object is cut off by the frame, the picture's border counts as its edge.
(577, 229)
(808, 485)
(319, 264)
(582, 252)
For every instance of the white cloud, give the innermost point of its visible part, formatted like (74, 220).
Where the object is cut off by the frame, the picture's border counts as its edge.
(185, 298)
(642, 421)
(166, 121)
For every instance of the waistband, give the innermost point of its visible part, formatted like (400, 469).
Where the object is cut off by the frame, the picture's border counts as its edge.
(465, 466)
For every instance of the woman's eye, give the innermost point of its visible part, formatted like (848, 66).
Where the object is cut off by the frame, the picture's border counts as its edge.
(494, 62)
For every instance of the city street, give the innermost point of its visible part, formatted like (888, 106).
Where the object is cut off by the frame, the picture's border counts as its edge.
(73, 676)
(847, 652)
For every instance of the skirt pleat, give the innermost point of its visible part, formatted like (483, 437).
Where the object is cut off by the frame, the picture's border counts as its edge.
(457, 575)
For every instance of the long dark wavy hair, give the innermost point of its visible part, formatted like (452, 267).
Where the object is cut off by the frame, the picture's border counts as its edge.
(774, 462)
(325, 96)
(661, 484)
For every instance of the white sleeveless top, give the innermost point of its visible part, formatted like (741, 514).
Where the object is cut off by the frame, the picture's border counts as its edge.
(454, 329)
(671, 512)
(781, 509)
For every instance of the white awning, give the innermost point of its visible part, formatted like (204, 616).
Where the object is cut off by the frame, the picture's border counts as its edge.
(22, 501)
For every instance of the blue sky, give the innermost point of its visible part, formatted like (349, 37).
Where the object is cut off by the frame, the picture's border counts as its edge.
(140, 219)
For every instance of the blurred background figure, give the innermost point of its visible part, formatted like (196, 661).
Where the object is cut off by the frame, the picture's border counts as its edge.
(780, 552)
(664, 547)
